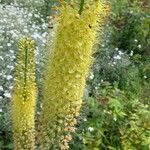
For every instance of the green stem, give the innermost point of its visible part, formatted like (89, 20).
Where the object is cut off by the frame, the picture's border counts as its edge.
(81, 6)
(25, 72)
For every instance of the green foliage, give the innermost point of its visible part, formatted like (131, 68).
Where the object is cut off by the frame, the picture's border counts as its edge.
(131, 24)
(113, 120)
(123, 54)
(123, 61)
(5, 131)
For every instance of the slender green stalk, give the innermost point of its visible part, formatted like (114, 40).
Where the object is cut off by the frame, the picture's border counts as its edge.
(81, 6)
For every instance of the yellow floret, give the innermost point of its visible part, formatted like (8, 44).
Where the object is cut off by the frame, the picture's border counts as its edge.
(66, 70)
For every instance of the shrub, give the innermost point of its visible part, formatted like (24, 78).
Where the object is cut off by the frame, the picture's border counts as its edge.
(113, 120)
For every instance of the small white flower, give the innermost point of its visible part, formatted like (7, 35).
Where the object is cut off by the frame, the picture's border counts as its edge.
(8, 95)
(44, 41)
(13, 57)
(91, 76)
(11, 87)
(117, 57)
(90, 129)
(37, 62)
(44, 25)
(1, 58)
(1, 88)
(139, 46)
(116, 48)
(1, 110)
(96, 88)
(7, 55)
(115, 119)
(120, 52)
(8, 44)
(41, 106)
(37, 16)
(98, 84)
(131, 11)
(85, 119)
(109, 112)
(11, 51)
(145, 77)
(14, 35)
(9, 77)
(113, 63)
(30, 15)
(136, 40)
(25, 30)
(10, 67)
(38, 113)
(44, 34)
(1, 97)
(131, 54)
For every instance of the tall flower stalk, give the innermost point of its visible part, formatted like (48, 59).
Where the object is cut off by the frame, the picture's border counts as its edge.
(66, 71)
(23, 96)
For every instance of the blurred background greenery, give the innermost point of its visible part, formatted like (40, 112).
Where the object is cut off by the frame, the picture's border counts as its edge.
(116, 109)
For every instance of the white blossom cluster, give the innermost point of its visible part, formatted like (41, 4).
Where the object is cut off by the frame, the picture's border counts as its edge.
(120, 58)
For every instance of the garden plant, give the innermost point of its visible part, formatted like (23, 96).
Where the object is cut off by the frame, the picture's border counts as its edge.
(74, 74)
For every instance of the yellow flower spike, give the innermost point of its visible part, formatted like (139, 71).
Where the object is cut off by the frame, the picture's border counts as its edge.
(66, 70)
(23, 96)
